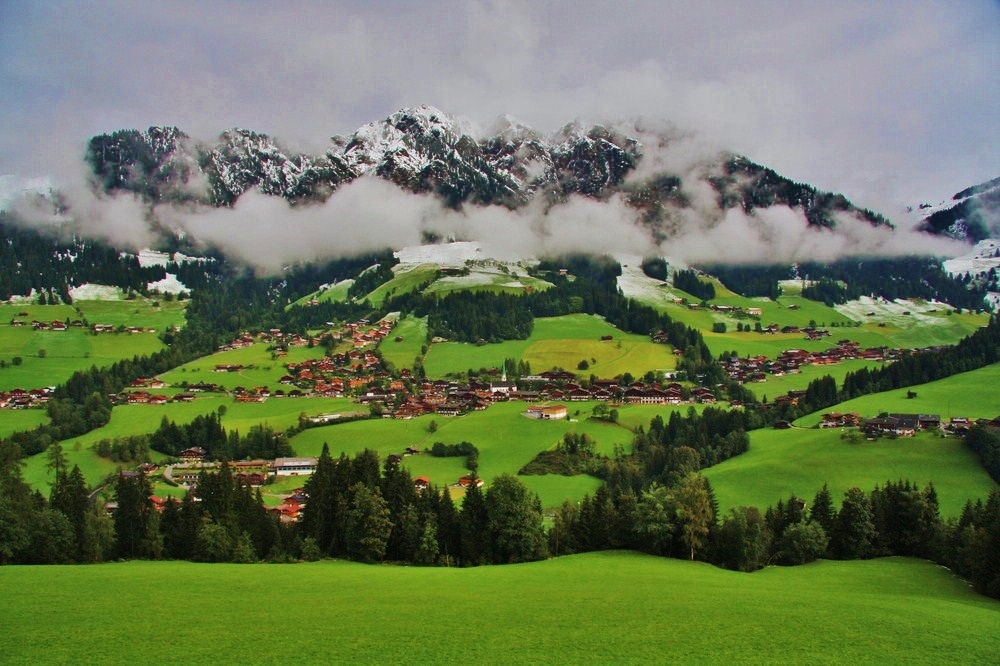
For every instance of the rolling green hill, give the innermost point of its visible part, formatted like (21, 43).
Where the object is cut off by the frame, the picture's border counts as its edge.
(608, 607)
(559, 342)
(799, 461)
(48, 358)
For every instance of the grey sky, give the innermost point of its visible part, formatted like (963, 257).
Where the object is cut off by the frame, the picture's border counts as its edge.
(892, 103)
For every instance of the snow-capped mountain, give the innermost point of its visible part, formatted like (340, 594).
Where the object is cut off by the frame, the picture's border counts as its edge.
(422, 149)
(972, 214)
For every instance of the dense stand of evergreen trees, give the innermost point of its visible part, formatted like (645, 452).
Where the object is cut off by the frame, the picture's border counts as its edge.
(688, 280)
(30, 260)
(750, 280)
(846, 279)
(207, 432)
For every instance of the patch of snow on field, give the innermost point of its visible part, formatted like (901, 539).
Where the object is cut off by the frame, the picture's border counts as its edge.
(449, 254)
(95, 292)
(149, 257)
(636, 284)
(884, 310)
(980, 259)
(169, 284)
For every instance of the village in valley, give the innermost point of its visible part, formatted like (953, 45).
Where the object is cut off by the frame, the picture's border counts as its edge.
(351, 367)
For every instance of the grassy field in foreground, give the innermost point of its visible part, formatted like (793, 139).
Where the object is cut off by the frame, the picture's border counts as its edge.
(663, 611)
(782, 462)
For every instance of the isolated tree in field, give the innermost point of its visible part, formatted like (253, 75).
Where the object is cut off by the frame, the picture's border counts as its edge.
(515, 521)
(56, 459)
(474, 522)
(742, 540)
(821, 511)
(654, 519)
(802, 543)
(694, 512)
(853, 531)
(69, 495)
(368, 524)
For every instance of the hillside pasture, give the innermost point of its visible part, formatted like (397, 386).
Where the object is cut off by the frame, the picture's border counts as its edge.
(799, 461)
(487, 278)
(405, 279)
(894, 610)
(49, 358)
(336, 293)
(16, 420)
(559, 342)
(871, 322)
(775, 386)
(401, 354)
(261, 367)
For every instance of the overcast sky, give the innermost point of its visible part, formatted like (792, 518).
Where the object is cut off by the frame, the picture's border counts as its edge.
(892, 103)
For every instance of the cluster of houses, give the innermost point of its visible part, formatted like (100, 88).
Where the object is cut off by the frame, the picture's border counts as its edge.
(450, 398)
(757, 368)
(362, 333)
(19, 398)
(78, 323)
(725, 309)
(903, 425)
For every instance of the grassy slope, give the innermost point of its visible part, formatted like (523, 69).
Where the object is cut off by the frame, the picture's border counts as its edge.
(799, 461)
(77, 348)
(883, 611)
(266, 371)
(559, 342)
(401, 354)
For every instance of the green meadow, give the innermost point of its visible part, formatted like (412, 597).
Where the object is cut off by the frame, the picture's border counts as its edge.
(16, 420)
(401, 354)
(775, 386)
(493, 281)
(791, 309)
(559, 342)
(403, 282)
(262, 367)
(608, 607)
(799, 461)
(49, 358)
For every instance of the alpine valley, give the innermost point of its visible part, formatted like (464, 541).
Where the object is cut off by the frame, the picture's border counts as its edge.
(720, 366)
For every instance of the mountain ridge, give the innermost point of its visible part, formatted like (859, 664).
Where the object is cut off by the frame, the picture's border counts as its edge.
(423, 150)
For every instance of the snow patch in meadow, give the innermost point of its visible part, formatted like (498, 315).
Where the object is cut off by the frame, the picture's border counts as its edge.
(980, 259)
(636, 284)
(169, 284)
(95, 292)
(450, 254)
(867, 308)
(149, 257)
